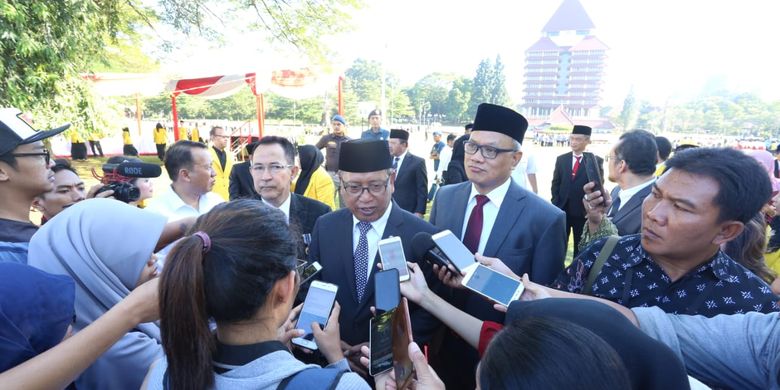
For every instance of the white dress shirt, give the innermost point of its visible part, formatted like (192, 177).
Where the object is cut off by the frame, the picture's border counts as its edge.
(285, 207)
(525, 167)
(444, 160)
(400, 161)
(625, 195)
(373, 236)
(489, 211)
(169, 204)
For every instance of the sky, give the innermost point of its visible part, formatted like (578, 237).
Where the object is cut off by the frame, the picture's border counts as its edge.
(666, 50)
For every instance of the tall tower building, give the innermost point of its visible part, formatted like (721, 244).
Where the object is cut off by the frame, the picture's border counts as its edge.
(564, 69)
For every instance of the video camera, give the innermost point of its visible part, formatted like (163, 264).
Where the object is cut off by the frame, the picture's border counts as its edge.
(117, 177)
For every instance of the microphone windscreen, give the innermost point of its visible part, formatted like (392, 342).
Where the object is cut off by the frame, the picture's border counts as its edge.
(421, 244)
(139, 169)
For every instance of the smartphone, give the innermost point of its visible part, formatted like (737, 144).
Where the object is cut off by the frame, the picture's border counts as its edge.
(402, 336)
(391, 253)
(380, 341)
(493, 284)
(459, 256)
(387, 290)
(316, 308)
(309, 271)
(594, 175)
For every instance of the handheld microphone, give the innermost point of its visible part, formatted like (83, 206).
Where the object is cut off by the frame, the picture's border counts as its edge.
(133, 169)
(424, 248)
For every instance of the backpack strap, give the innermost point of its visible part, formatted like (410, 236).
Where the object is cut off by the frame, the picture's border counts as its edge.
(606, 251)
(313, 378)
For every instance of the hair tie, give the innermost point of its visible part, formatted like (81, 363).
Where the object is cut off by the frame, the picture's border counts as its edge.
(206, 240)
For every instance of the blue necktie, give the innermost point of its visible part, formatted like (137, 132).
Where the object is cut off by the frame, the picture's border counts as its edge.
(395, 163)
(361, 260)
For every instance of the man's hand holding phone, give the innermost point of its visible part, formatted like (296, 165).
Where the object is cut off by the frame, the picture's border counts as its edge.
(596, 205)
(448, 275)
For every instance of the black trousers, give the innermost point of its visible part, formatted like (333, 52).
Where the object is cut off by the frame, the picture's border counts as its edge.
(95, 145)
(575, 225)
(160, 151)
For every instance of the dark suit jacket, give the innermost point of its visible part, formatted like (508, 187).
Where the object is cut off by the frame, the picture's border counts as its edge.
(567, 193)
(628, 219)
(241, 184)
(528, 236)
(304, 213)
(331, 245)
(411, 185)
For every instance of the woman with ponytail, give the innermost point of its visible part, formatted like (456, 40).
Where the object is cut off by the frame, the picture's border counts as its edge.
(237, 267)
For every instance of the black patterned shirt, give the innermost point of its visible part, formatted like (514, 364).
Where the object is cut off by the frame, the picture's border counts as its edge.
(719, 286)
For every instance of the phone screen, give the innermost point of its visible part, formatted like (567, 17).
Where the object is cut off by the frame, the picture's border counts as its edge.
(498, 287)
(392, 254)
(309, 271)
(387, 290)
(459, 255)
(316, 308)
(592, 170)
(381, 343)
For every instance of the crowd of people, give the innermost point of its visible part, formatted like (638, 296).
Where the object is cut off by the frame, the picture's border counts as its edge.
(197, 285)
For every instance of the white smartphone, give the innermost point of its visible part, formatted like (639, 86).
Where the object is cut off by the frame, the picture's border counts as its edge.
(309, 271)
(391, 253)
(460, 257)
(316, 308)
(493, 284)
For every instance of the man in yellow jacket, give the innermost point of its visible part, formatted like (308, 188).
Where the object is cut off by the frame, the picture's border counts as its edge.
(160, 140)
(221, 161)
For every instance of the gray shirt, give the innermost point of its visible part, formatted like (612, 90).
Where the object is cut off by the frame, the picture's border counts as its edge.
(740, 351)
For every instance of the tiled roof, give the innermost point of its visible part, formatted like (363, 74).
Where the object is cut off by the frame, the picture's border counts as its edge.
(590, 43)
(544, 44)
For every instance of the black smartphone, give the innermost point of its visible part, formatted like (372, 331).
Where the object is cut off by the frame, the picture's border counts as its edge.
(381, 343)
(387, 290)
(594, 175)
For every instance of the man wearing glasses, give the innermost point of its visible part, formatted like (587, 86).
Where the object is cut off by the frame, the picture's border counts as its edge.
(273, 170)
(497, 218)
(25, 172)
(222, 161)
(345, 242)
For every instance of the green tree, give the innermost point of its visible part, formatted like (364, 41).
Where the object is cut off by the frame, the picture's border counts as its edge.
(498, 92)
(628, 114)
(481, 88)
(458, 101)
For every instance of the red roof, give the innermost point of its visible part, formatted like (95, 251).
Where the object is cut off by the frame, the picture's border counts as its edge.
(570, 15)
(590, 43)
(544, 44)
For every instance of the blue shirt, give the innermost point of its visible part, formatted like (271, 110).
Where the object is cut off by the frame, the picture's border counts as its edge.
(382, 135)
(719, 286)
(738, 351)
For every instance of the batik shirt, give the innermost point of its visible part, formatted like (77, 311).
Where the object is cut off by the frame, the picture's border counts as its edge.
(631, 278)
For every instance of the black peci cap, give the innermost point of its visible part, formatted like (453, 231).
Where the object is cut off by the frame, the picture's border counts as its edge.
(491, 117)
(361, 156)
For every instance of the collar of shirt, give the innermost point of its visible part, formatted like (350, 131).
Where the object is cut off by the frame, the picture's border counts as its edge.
(574, 158)
(489, 212)
(625, 195)
(400, 160)
(285, 206)
(170, 202)
(373, 236)
(720, 264)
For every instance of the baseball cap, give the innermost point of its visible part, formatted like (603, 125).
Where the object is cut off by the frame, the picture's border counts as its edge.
(15, 131)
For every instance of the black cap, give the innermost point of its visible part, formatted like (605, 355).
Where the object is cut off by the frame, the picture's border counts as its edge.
(375, 112)
(400, 134)
(15, 131)
(469, 126)
(362, 155)
(491, 117)
(580, 129)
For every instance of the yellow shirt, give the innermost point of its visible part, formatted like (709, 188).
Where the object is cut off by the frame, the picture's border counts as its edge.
(195, 135)
(222, 179)
(660, 169)
(160, 136)
(126, 138)
(183, 132)
(320, 188)
(75, 137)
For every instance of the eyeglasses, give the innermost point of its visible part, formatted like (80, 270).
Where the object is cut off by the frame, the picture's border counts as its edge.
(273, 168)
(609, 157)
(488, 152)
(45, 154)
(375, 188)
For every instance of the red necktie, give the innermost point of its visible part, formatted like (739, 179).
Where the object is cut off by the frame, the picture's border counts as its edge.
(576, 167)
(474, 227)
